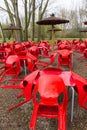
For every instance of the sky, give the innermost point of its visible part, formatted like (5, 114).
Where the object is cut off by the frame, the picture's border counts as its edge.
(67, 4)
(53, 7)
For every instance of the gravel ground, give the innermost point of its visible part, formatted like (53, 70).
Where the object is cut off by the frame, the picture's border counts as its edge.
(19, 118)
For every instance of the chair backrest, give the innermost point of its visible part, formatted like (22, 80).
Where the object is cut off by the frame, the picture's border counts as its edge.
(28, 84)
(51, 70)
(81, 89)
(51, 90)
(65, 53)
(13, 64)
(50, 100)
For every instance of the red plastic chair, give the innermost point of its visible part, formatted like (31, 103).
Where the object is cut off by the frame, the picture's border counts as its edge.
(64, 45)
(81, 89)
(13, 63)
(65, 58)
(84, 56)
(44, 48)
(82, 47)
(34, 50)
(11, 68)
(50, 100)
(2, 55)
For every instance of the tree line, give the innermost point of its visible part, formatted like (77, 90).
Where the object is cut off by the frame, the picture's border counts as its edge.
(35, 10)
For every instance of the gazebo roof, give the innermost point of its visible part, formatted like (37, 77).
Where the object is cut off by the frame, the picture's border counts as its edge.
(11, 27)
(52, 20)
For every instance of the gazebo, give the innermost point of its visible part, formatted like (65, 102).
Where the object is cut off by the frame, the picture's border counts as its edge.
(12, 28)
(52, 20)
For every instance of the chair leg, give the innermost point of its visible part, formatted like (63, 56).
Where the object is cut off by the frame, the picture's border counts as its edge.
(62, 119)
(72, 107)
(32, 125)
(16, 106)
(20, 95)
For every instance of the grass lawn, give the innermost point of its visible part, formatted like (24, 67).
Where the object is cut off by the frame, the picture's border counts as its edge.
(10, 40)
(7, 40)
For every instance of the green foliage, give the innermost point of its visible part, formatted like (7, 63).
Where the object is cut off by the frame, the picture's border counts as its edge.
(71, 33)
(7, 33)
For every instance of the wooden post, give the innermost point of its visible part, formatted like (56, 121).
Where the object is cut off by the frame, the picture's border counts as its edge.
(53, 39)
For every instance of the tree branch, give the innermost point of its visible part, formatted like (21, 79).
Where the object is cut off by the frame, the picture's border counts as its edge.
(3, 9)
(45, 8)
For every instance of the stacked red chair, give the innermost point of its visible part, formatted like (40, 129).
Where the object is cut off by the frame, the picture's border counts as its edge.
(36, 86)
(34, 50)
(65, 58)
(44, 47)
(64, 45)
(11, 67)
(50, 100)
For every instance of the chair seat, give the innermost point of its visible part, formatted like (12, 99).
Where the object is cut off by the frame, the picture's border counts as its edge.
(48, 111)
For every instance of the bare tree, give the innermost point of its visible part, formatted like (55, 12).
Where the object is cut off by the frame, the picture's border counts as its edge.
(2, 34)
(13, 13)
(28, 13)
(33, 20)
(17, 18)
(8, 10)
(12, 10)
(41, 11)
(29, 9)
(26, 23)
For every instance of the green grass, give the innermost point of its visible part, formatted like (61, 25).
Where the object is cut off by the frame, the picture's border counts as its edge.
(11, 40)
(7, 40)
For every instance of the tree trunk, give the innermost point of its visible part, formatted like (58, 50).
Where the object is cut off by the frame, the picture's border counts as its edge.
(2, 34)
(17, 19)
(26, 24)
(40, 16)
(9, 12)
(39, 26)
(33, 20)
